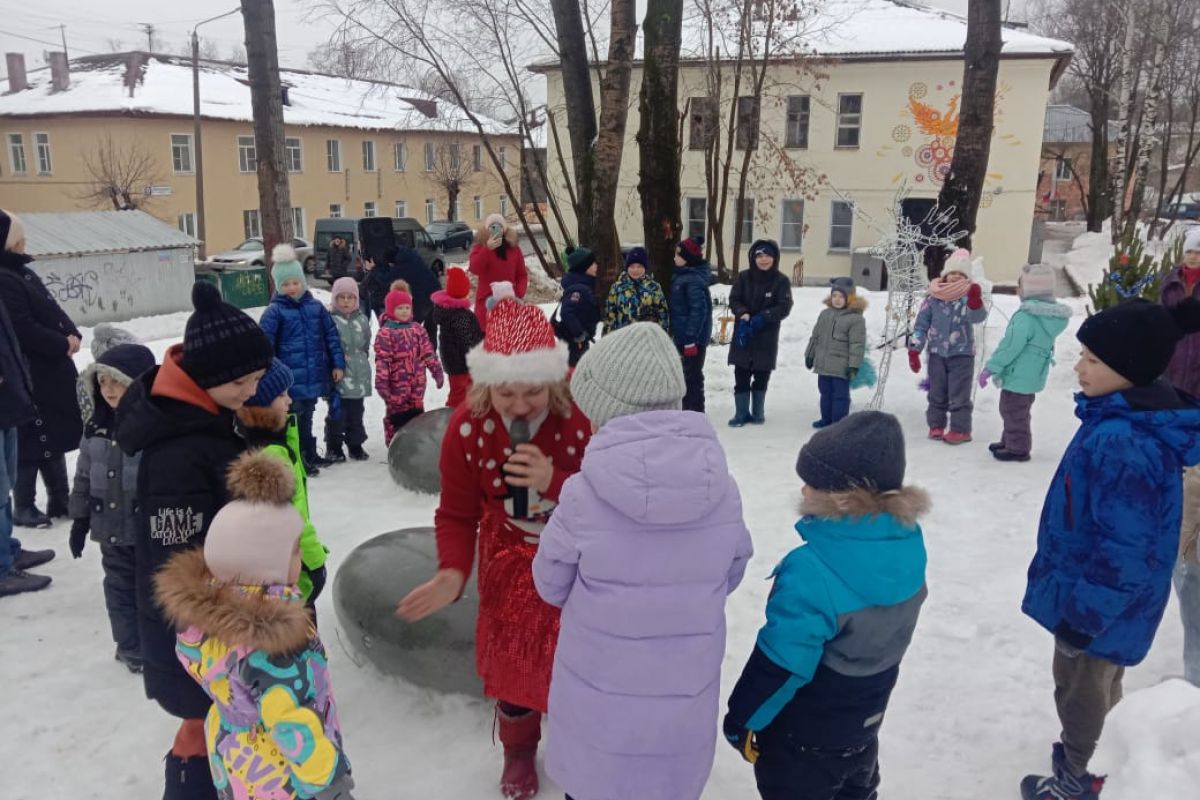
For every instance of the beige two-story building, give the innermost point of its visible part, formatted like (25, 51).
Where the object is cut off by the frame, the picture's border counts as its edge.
(122, 124)
(860, 106)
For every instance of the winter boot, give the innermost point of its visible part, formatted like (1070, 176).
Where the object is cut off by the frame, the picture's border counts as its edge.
(28, 559)
(741, 406)
(335, 455)
(17, 581)
(821, 424)
(1008, 455)
(132, 661)
(1062, 786)
(520, 735)
(955, 437)
(188, 779)
(937, 433)
(758, 413)
(25, 513)
(358, 454)
(996, 446)
(54, 474)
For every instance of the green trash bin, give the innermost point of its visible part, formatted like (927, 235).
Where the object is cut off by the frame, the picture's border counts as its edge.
(208, 276)
(244, 287)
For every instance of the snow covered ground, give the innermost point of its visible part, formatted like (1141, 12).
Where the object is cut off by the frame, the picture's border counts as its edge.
(972, 714)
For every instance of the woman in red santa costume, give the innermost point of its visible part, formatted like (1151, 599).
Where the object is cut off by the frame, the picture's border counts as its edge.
(503, 493)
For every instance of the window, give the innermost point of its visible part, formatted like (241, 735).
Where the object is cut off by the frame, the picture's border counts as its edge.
(430, 210)
(504, 205)
(297, 221)
(791, 234)
(703, 121)
(477, 158)
(369, 209)
(335, 210)
(455, 157)
(849, 121)
(181, 154)
(478, 206)
(368, 149)
(333, 154)
(400, 156)
(796, 135)
(747, 123)
(293, 151)
(429, 160)
(1063, 169)
(697, 216)
(45, 166)
(745, 213)
(247, 156)
(503, 154)
(16, 153)
(401, 209)
(186, 222)
(841, 225)
(251, 223)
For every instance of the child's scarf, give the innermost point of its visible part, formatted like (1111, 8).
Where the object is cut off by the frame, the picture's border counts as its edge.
(949, 290)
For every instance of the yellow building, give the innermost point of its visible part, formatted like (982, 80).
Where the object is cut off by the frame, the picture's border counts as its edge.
(123, 123)
(871, 107)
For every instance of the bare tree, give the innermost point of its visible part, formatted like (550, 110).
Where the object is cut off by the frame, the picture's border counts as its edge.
(610, 141)
(451, 171)
(119, 174)
(580, 108)
(339, 57)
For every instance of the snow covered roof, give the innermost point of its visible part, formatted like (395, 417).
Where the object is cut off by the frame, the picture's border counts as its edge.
(1070, 125)
(859, 28)
(162, 86)
(83, 232)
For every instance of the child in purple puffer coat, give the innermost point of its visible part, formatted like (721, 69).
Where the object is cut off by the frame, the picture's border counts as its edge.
(634, 696)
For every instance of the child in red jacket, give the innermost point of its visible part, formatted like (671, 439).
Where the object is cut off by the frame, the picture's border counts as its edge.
(403, 353)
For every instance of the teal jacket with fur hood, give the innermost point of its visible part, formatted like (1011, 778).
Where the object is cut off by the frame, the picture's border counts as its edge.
(1023, 358)
(839, 339)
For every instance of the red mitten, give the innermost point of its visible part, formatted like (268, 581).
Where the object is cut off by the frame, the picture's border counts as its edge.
(914, 361)
(975, 297)
(691, 350)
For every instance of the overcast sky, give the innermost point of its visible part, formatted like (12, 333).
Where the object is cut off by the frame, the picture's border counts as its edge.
(90, 26)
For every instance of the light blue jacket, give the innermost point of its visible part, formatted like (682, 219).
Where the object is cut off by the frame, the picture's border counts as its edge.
(1023, 358)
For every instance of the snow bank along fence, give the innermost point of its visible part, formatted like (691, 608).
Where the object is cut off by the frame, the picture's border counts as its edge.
(111, 266)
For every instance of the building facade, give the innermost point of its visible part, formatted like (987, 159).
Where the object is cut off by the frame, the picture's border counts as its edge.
(353, 148)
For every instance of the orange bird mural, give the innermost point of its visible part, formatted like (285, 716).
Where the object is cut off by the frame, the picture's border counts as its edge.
(933, 122)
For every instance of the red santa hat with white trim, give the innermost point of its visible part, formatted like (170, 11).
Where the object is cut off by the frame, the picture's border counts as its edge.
(519, 346)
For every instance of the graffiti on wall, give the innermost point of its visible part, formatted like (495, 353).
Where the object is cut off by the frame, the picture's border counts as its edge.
(98, 288)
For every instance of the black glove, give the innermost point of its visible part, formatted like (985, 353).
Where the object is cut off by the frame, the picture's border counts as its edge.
(1069, 641)
(79, 534)
(317, 576)
(741, 739)
(851, 372)
(809, 363)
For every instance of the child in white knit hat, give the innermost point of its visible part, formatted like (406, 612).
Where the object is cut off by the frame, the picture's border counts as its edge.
(248, 641)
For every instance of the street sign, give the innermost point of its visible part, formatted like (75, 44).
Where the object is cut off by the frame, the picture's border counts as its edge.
(158, 191)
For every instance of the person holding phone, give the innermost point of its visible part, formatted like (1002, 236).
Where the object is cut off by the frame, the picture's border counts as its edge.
(495, 257)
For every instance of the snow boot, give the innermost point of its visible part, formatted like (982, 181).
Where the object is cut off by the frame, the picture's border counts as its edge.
(58, 488)
(17, 581)
(28, 559)
(995, 446)
(937, 433)
(955, 437)
(741, 409)
(30, 517)
(25, 513)
(821, 424)
(358, 454)
(188, 779)
(132, 661)
(1062, 786)
(334, 455)
(1008, 455)
(520, 735)
(758, 413)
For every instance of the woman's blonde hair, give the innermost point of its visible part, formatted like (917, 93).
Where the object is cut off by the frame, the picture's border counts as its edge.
(479, 399)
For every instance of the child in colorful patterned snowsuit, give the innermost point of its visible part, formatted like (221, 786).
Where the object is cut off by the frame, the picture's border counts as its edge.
(636, 296)
(246, 638)
(354, 329)
(458, 331)
(498, 493)
(403, 353)
(945, 325)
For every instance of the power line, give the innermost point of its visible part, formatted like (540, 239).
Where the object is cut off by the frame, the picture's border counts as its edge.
(44, 42)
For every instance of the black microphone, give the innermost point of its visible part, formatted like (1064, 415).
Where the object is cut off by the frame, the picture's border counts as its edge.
(518, 432)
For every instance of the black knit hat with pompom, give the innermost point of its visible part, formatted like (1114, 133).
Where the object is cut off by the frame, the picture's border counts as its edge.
(1137, 338)
(221, 343)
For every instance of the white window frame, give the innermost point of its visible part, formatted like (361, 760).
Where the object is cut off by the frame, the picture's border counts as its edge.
(252, 223)
(368, 156)
(801, 124)
(333, 155)
(16, 153)
(455, 157)
(41, 142)
(784, 225)
(849, 121)
(1064, 169)
(293, 156)
(187, 150)
(430, 210)
(834, 225)
(430, 157)
(247, 153)
(186, 222)
(336, 211)
(401, 209)
(740, 218)
(399, 157)
(477, 158)
(504, 205)
(688, 219)
(478, 201)
(503, 154)
(298, 223)
(370, 211)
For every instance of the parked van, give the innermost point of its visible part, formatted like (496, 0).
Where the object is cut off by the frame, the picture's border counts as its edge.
(406, 231)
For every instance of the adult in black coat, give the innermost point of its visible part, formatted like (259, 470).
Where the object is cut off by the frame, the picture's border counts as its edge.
(48, 340)
(404, 263)
(760, 300)
(338, 260)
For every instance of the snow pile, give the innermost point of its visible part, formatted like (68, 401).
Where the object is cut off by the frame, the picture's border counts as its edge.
(1151, 744)
(1088, 258)
(542, 288)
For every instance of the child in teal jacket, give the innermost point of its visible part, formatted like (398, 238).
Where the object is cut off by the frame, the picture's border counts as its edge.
(1022, 362)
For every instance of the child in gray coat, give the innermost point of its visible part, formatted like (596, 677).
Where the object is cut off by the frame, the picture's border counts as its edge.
(945, 324)
(836, 349)
(102, 499)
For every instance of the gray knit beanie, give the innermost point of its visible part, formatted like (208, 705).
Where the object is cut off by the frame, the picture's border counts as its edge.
(863, 451)
(633, 370)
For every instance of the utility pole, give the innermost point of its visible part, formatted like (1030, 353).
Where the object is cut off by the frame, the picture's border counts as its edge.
(266, 98)
(148, 27)
(201, 226)
(63, 30)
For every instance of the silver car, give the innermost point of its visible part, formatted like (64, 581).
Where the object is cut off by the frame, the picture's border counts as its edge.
(250, 253)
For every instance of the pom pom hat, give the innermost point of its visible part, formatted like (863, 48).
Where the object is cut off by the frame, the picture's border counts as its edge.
(220, 342)
(519, 346)
(286, 265)
(1192, 240)
(959, 261)
(345, 286)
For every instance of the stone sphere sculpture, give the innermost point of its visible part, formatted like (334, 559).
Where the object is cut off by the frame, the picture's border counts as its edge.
(439, 651)
(415, 449)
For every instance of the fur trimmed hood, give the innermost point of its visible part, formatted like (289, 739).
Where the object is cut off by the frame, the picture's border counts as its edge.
(854, 302)
(442, 299)
(262, 417)
(907, 504)
(510, 236)
(272, 618)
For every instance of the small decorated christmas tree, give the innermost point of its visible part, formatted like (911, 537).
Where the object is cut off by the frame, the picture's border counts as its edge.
(1132, 272)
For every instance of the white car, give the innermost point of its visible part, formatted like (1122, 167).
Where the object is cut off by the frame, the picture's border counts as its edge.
(250, 253)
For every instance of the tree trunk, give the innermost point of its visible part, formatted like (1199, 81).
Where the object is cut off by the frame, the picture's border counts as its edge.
(1125, 100)
(1149, 122)
(658, 142)
(1097, 192)
(581, 109)
(610, 144)
(963, 186)
(266, 100)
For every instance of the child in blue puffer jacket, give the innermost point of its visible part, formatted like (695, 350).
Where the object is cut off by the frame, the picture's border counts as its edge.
(1110, 526)
(305, 338)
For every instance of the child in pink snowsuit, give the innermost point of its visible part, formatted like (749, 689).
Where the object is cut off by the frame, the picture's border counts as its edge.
(402, 354)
